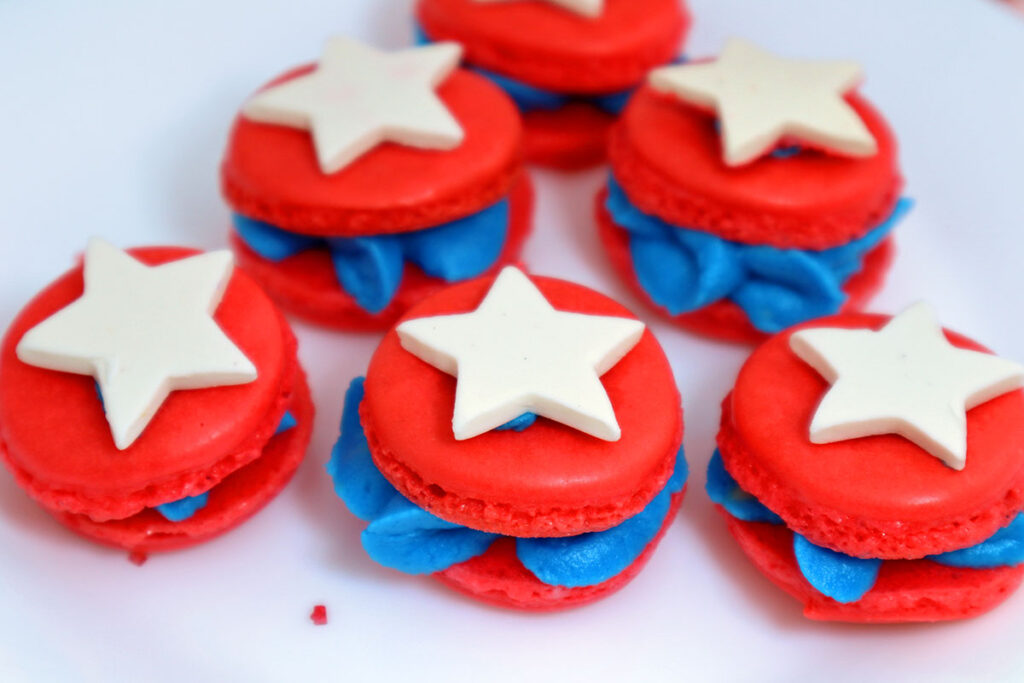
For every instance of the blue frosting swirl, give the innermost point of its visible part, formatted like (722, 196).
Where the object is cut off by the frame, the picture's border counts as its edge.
(370, 268)
(844, 578)
(683, 270)
(182, 509)
(405, 537)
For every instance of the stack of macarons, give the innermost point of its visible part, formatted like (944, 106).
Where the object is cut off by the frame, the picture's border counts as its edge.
(152, 399)
(873, 468)
(366, 181)
(570, 65)
(751, 193)
(517, 437)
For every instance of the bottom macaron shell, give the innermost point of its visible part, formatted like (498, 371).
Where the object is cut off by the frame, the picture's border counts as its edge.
(568, 139)
(906, 590)
(499, 578)
(306, 285)
(232, 501)
(725, 320)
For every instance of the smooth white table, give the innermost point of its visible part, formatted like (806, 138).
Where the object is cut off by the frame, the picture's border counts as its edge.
(113, 116)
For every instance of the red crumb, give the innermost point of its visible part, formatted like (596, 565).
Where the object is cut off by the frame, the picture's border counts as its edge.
(319, 615)
(137, 558)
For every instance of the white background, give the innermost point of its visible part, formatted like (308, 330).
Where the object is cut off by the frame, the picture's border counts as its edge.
(113, 116)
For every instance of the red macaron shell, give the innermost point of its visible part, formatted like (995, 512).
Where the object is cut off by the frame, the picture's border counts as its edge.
(270, 172)
(58, 443)
(725, 319)
(238, 497)
(878, 496)
(570, 138)
(906, 590)
(667, 156)
(549, 480)
(555, 49)
(498, 577)
(306, 284)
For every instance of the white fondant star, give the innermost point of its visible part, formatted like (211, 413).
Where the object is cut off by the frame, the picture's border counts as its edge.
(141, 331)
(588, 8)
(359, 97)
(904, 379)
(762, 99)
(516, 354)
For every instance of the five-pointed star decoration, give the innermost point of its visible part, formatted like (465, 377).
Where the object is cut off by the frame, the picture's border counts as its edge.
(762, 100)
(359, 97)
(587, 8)
(516, 354)
(141, 331)
(904, 379)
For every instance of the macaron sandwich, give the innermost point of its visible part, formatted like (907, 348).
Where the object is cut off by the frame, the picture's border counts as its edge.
(873, 468)
(519, 439)
(751, 193)
(366, 181)
(151, 399)
(570, 65)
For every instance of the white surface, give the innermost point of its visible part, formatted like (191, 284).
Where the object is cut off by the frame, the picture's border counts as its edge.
(516, 354)
(905, 378)
(762, 98)
(142, 332)
(113, 120)
(359, 97)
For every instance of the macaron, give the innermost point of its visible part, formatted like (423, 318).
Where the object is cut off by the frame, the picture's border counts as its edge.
(570, 65)
(152, 398)
(873, 468)
(366, 181)
(518, 438)
(751, 193)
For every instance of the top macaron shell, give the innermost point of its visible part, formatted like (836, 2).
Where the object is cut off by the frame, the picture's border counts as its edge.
(877, 496)
(557, 49)
(548, 480)
(270, 172)
(667, 156)
(56, 438)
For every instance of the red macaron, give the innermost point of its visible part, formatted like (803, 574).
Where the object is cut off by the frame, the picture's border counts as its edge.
(569, 69)
(928, 530)
(232, 444)
(271, 178)
(807, 227)
(546, 483)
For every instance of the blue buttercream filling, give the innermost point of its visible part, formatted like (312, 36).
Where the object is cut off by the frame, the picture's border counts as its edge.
(405, 537)
(182, 509)
(530, 98)
(370, 268)
(683, 270)
(844, 578)
(519, 424)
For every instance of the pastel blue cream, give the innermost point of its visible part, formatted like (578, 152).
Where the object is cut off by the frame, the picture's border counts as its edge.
(405, 537)
(683, 270)
(370, 268)
(180, 510)
(844, 578)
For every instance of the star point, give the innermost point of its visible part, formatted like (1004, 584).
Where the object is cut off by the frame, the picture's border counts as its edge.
(516, 354)
(905, 379)
(141, 331)
(587, 8)
(762, 99)
(359, 97)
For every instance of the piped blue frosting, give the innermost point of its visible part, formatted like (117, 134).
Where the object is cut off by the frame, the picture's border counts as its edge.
(182, 509)
(683, 270)
(844, 578)
(405, 537)
(370, 268)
